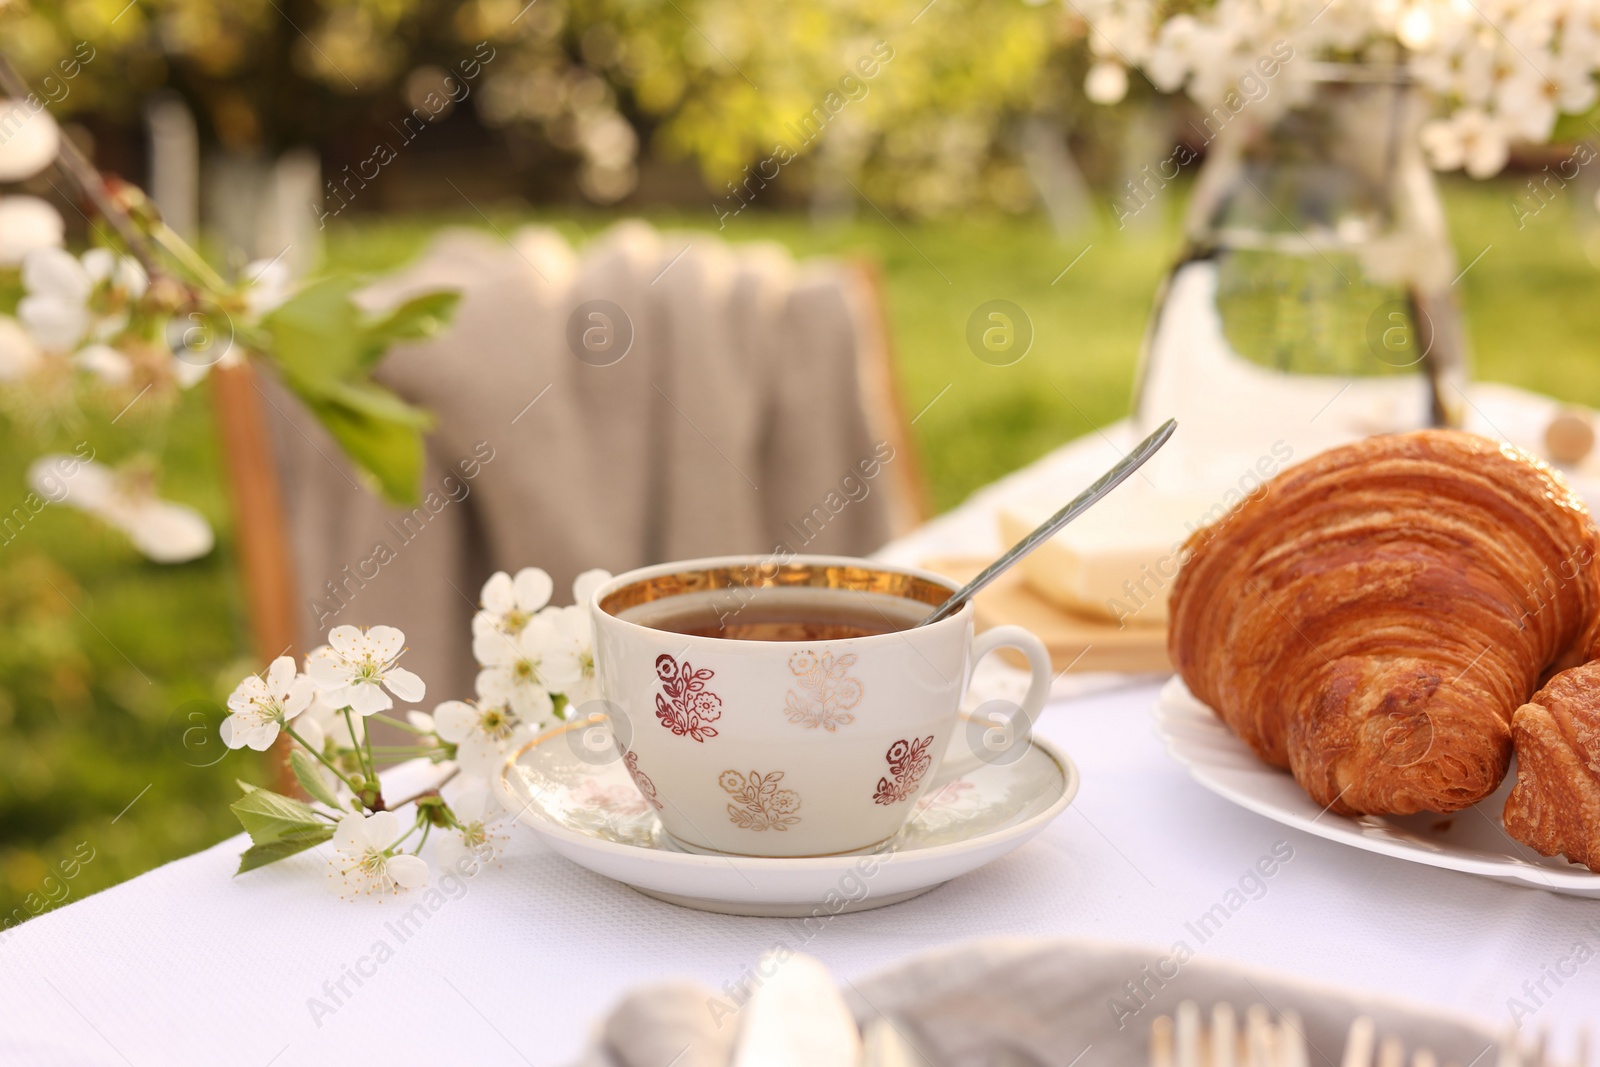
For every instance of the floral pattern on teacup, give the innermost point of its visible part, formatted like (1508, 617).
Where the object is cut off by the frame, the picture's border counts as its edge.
(630, 760)
(827, 691)
(908, 762)
(684, 705)
(761, 804)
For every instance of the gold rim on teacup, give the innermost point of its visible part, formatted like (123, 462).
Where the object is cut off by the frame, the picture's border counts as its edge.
(848, 577)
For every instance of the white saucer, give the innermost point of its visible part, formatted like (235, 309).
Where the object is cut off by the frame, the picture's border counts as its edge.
(593, 815)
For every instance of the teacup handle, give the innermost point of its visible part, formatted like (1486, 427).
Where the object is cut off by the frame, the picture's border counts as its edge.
(1001, 736)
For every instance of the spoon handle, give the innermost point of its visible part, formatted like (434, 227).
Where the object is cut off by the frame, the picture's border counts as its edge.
(1048, 529)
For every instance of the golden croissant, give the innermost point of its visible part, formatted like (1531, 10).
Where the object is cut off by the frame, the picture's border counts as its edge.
(1555, 805)
(1372, 618)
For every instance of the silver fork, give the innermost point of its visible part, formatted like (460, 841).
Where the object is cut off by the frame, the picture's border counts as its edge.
(1361, 1043)
(1183, 1040)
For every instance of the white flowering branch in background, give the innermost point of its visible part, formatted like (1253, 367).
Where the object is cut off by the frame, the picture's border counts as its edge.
(1500, 70)
(537, 663)
(141, 317)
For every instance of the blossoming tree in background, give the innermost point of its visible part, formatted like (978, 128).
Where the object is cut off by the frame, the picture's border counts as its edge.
(587, 90)
(1501, 71)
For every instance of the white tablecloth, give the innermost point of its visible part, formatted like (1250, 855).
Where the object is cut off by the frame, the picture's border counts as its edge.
(188, 964)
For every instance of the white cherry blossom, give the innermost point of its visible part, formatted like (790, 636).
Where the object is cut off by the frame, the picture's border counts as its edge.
(482, 733)
(522, 670)
(362, 862)
(1107, 82)
(1470, 139)
(26, 225)
(71, 299)
(270, 284)
(56, 308)
(164, 531)
(509, 603)
(356, 667)
(29, 142)
(260, 706)
(571, 653)
(479, 838)
(585, 584)
(105, 363)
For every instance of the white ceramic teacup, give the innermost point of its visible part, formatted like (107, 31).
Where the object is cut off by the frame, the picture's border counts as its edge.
(806, 747)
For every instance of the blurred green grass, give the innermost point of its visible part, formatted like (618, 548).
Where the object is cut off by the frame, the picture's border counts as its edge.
(101, 653)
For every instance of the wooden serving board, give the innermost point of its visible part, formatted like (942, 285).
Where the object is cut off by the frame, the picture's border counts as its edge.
(1076, 642)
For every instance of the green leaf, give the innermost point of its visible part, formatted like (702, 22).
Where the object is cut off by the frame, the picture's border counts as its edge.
(259, 855)
(244, 786)
(309, 773)
(417, 318)
(325, 350)
(376, 402)
(317, 335)
(269, 817)
(387, 449)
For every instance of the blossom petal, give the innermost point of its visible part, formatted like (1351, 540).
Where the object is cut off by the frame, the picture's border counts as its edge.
(479, 755)
(229, 738)
(299, 697)
(105, 363)
(532, 702)
(334, 701)
(346, 641)
(497, 596)
(56, 324)
(386, 642)
(495, 649)
(474, 803)
(98, 263)
(454, 720)
(246, 693)
(532, 588)
(261, 737)
(368, 699)
(351, 834)
(131, 278)
(585, 584)
(561, 668)
(382, 828)
(404, 684)
(32, 139)
(280, 675)
(326, 670)
(493, 685)
(26, 224)
(409, 872)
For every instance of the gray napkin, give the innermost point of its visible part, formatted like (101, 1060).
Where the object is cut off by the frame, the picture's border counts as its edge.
(1000, 1001)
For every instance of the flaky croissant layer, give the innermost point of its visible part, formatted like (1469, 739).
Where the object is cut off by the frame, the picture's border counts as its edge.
(1372, 618)
(1555, 805)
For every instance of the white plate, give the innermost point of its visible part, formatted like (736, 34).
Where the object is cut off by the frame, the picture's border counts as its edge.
(594, 816)
(1471, 840)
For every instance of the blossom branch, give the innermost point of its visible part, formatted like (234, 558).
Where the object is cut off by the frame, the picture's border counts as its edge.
(82, 174)
(290, 730)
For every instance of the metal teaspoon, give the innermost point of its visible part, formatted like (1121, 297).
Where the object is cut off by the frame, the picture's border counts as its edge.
(1047, 529)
